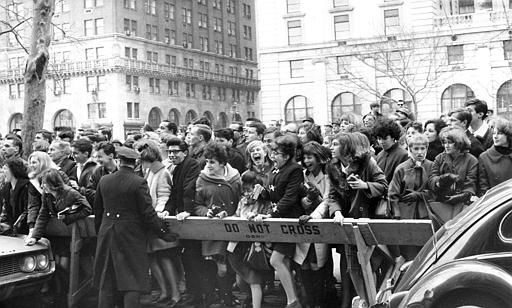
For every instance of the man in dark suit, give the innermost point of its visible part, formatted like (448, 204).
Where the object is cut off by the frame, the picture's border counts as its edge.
(479, 126)
(184, 172)
(461, 117)
(81, 150)
(123, 216)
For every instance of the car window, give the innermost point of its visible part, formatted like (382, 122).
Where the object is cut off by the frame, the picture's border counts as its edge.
(505, 229)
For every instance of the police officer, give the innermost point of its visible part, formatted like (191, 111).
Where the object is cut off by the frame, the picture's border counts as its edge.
(123, 217)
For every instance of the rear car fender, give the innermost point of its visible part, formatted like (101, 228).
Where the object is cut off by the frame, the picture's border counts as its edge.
(460, 275)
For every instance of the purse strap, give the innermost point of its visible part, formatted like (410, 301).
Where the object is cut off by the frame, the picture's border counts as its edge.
(437, 221)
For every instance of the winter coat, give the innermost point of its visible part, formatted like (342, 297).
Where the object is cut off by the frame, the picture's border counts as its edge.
(85, 177)
(183, 188)
(222, 191)
(97, 174)
(494, 168)
(389, 159)
(477, 147)
(67, 165)
(322, 183)
(354, 203)
(123, 216)
(284, 190)
(404, 181)
(15, 204)
(434, 148)
(464, 165)
(51, 206)
(159, 182)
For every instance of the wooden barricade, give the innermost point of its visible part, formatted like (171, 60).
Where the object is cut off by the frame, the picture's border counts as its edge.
(366, 234)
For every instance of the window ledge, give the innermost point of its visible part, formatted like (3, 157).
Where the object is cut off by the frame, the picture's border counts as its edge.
(391, 3)
(340, 9)
(294, 15)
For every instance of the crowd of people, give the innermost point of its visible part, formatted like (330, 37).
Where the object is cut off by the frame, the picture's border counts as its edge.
(376, 166)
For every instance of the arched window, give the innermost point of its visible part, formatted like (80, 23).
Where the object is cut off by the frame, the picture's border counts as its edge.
(15, 121)
(65, 118)
(155, 117)
(223, 120)
(210, 117)
(343, 103)
(297, 109)
(174, 116)
(237, 117)
(455, 96)
(504, 100)
(393, 99)
(190, 116)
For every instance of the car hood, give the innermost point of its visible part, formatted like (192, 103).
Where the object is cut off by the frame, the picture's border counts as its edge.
(445, 237)
(10, 245)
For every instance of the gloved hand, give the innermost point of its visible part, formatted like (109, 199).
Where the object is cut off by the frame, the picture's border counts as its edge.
(304, 219)
(312, 193)
(458, 198)
(213, 211)
(447, 179)
(412, 196)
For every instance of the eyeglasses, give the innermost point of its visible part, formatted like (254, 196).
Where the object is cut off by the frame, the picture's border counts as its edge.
(173, 151)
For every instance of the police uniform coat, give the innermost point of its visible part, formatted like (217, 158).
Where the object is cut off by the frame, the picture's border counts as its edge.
(123, 216)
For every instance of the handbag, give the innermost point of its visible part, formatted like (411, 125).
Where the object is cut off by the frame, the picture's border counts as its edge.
(258, 256)
(383, 210)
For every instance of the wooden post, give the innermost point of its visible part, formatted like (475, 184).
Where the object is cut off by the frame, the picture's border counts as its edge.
(364, 253)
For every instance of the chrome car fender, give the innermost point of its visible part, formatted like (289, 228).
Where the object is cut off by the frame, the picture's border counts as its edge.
(470, 275)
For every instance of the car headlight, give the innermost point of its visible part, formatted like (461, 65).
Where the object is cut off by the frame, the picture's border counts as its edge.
(42, 262)
(28, 264)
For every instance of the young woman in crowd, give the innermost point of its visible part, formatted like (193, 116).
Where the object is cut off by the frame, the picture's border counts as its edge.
(454, 174)
(259, 161)
(15, 196)
(308, 132)
(408, 189)
(432, 130)
(495, 164)
(218, 190)
(248, 208)
(162, 267)
(283, 191)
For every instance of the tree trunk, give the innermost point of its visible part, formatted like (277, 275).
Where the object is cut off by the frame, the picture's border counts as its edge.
(35, 72)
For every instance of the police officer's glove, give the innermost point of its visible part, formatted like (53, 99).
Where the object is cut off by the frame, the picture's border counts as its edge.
(447, 179)
(458, 198)
(304, 219)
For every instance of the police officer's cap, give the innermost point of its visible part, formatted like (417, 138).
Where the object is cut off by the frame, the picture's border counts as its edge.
(127, 153)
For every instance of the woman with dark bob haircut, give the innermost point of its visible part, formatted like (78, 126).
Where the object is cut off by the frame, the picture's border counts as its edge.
(283, 191)
(15, 196)
(454, 174)
(431, 130)
(495, 164)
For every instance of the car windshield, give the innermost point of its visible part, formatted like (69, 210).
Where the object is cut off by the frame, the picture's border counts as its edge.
(451, 231)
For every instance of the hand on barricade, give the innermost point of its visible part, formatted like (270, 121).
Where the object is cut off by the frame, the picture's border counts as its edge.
(338, 218)
(162, 214)
(222, 214)
(260, 217)
(304, 219)
(182, 216)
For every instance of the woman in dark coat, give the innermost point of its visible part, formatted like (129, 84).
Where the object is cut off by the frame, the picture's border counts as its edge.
(454, 174)
(495, 164)
(388, 133)
(432, 130)
(14, 195)
(357, 184)
(283, 191)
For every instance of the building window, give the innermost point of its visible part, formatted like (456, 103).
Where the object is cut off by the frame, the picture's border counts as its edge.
(393, 99)
(64, 118)
(190, 89)
(248, 53)
(217, 4)
(155, 117)
(294, 32)
(186, 15)
(169, 11)
(203, 43)
(61, 86)
(16, 121)
(466, 6)
(296, 68)
(292, 6)
(96, 111)
(61, 6)
(130, 4)
(203, 2)
(93, 27)
(455, 54)
(232, 50)
(188, 62)
(455, 96)
(343, 64)
(247, 10)
(150, 7)
(132, 82)
(297, 109)
(231, 6)
(247, 33)
(187, 40)
(203, 20)
(507, 49)
(345, 102)
(231, 28)
(219, 47)
(504, 100)
(217, 24)
(130, 27)
(250, 98)
(394, 60)
(94, 53)
(130, 53)
(132, 110)
(152, 56)
(154, 85)
(207, 92)
(338, 3)
(173, 86)
(341, 27)
(391, 21)
(88, 4)
(95, 83)
(174, 116)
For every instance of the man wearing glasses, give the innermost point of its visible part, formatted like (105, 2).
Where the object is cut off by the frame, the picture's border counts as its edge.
(184, 173)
